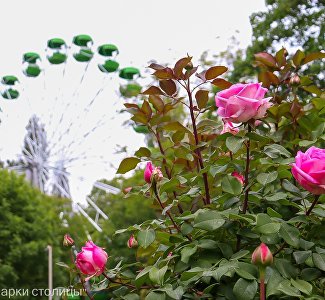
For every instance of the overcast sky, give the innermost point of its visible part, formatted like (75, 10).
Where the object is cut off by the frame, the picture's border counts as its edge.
(143, 30)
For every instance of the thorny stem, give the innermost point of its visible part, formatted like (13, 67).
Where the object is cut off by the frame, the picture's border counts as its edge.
(262, 287)
(308, 212)
(246, 188)
(168, 173)
(163, 207)
(206, 200)
(245, 205)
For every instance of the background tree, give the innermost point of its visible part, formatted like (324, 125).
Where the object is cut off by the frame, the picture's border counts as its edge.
(29, 222)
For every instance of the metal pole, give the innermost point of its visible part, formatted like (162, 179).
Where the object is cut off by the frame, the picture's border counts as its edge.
(50, 269)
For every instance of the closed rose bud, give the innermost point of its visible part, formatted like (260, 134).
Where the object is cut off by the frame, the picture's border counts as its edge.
(152, 173)
(132, 242)
(91, 260)
(294, 80)
(262, 256)
(68, 241)
(239, 177)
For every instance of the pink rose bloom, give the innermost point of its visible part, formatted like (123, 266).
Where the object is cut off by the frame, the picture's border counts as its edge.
(309, 170)
(239, 177)
(91, 260)
(229, 127)
(242, 102)
(262, 256)
(152, 171)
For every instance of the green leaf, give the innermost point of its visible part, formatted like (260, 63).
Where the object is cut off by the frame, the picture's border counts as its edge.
(285, 267)
(231, 185)
(286, 288)
(298, 57)
(302, 285)
(127, 164)
(288, 186)
(319, 261)
(155, 296)
(273, 282)
(143, 152)
(276, 197)
(234, 143)
(187, 252)
(276, 150)
(244, 289)
(310, 274)
(290, 234)
(157, 275)
(214, 170)
(265, 225)
(301, 256)
(146, 237)
(265, 178)
(208, 220)
(244, 274)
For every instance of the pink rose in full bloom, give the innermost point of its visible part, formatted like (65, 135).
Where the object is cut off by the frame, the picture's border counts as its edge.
(91, 260)
(229, 127)
(152, 172)
(309, 170)
(262, 256)
(242, 102)
(239, 177)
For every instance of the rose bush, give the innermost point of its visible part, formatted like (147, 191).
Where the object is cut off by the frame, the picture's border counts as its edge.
(230, 215)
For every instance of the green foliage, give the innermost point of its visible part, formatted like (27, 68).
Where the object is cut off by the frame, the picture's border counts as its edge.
(29, 222)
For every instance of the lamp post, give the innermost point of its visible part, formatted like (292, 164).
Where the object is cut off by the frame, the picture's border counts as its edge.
(50, 271)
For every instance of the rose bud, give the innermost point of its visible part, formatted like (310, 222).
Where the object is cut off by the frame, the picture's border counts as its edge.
(67, 240)
(151, 172)
(132, 242)
(294, 80)
(262, 256)
(229, 127)
(239, 177)
(91, 260)
(309, 170)
(242, 102)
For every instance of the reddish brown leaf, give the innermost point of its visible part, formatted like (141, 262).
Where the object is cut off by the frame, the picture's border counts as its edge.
(140, 117)
(202, 98)
(267, 59)
(157, 102)
(201, 75)
(214, 72)
(153, 90)
(312, 56)
(156, 66)
(146, 109)
(166, 73)
(131, 105)
(168, 86)
(221, 83)
(180, 65)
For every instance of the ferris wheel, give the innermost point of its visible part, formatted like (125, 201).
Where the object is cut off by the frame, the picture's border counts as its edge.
(62, 93)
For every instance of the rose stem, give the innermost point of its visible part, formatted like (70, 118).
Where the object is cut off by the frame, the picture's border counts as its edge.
(168, 173)
(206, 200)
(245, 205)
(262, 287)
(162, 207)
(246, 188)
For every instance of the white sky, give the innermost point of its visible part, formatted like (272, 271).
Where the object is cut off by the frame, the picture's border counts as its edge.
(143, 30)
